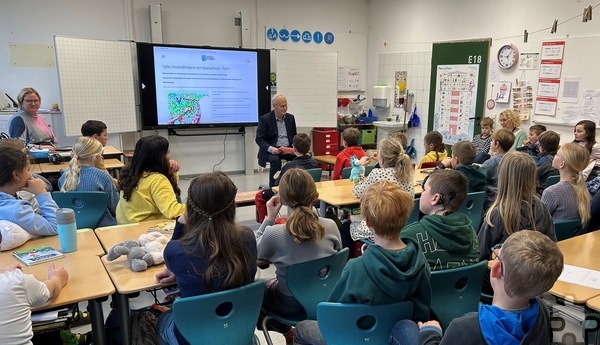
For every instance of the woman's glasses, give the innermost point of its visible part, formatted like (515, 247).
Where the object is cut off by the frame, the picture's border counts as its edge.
(31, 101)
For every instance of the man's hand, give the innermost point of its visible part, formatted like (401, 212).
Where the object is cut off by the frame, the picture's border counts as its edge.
(275, 151)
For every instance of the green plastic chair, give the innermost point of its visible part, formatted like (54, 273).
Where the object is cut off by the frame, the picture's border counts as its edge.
(347, 324)
(414, 214)
(346, 172)
(568, 228)
(472, 207)
(315, 173)
(551, 180)
(88, 206)
(224, 317)
(456, 291)
(310, 283)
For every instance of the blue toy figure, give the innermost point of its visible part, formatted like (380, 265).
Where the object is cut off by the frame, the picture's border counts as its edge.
(358, 171)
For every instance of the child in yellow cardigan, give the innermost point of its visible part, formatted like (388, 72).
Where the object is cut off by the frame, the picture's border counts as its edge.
(149, 185)
(435, 150)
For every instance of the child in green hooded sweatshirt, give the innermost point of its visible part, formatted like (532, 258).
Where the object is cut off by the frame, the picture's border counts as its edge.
(446, 238)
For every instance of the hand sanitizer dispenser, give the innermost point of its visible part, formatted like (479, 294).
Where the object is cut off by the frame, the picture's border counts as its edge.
(381, 96)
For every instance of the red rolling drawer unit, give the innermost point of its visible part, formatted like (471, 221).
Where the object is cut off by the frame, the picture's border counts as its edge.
(325, 142)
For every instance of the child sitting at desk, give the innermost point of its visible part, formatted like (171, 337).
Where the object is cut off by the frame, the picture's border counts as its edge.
(482, 141)
(532, 144)
(149, 184)
(390, 271)
(209, 252)
(15, 176)
(549, 143)
(463, 156)
(83, 176)
(97, 130)
(527, 266)
(435, 150)
(446, 237)
(350, 139)
(502, 140)
(19, 293)
(397, 167)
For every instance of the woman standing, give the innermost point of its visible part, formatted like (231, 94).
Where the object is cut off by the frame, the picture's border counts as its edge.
(27, 125)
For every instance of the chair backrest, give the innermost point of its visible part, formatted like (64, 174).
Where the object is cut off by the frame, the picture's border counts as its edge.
(311, 282)
(347, 324)
(414, 214)
(567, 228)
(225, 317)
(368, 169)
(456, 291)
(315, 173)
(551, 180)
(88, 206)
(429, 165)
(346, 172)
(472, 207)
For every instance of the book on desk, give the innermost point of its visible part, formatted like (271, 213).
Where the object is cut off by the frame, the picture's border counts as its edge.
(37, 255)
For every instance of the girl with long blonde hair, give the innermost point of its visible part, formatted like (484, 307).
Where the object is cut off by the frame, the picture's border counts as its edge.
(570, 161)
(516, 206)
(304, 237)
(82, 175)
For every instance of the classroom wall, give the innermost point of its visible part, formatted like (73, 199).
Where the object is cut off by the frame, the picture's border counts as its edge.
(412, 26)
(194, 22)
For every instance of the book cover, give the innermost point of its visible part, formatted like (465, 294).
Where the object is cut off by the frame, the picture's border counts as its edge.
(166, 227)
(37, 255)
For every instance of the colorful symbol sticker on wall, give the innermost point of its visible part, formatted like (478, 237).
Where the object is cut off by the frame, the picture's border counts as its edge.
(295, 35)
(306, 36)
(284, 35)
(329, 38)
(272, 34)
(317, 37)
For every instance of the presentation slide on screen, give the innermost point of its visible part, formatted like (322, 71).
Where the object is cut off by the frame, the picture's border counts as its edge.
(195, 86)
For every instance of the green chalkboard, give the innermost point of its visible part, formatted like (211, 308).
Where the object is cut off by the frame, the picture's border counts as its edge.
(457, 90)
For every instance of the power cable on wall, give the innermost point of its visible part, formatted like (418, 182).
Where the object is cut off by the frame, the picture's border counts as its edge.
(224, 153)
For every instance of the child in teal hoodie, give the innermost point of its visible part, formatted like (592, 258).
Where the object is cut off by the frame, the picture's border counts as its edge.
(390, 271)
(446, 238)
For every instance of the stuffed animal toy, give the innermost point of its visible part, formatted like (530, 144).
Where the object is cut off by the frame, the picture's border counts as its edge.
(358, 171)
(145, 252)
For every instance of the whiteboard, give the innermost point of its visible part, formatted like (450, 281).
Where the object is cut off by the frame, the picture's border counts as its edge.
(309, 81)
(96, 80)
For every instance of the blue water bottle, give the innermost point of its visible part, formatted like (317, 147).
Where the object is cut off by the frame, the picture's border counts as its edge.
(67, 229)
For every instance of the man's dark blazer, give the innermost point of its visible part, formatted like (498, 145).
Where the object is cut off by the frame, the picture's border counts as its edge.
(266, 134)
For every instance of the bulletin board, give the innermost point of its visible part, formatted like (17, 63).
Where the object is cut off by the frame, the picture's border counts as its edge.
(309, 81)
(579, 89)
(457, 89)
(96, 80)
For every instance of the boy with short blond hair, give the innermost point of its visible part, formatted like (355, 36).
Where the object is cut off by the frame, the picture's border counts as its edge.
(528, 264)
(446, 238)
(350, 140)
(390, 271)
(463, 156)
(502, 141)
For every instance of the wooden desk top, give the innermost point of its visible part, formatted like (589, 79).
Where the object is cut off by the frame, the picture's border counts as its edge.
(87, 245)
(111, 151)
(35, 169)
(325, 159)
(125, 280)
(111, 235)
(87, 280)
(579, 251)
(48, 168)
(594, 303)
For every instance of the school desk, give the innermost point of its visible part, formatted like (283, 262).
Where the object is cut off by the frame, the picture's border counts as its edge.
(124, 279)
(51, 168)
(35, 169)
(88, 281)
(581, 251)
(87, 245)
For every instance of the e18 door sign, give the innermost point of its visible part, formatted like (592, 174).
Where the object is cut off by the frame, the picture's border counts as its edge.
(297, 36)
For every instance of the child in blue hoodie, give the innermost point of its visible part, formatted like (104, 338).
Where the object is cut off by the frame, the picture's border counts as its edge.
(516, 315)
(391, 271)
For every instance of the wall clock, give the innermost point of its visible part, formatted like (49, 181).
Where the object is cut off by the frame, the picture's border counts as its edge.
(508, 56)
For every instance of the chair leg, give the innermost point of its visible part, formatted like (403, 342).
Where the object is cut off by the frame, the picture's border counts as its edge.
(266, 331)
(256, 341)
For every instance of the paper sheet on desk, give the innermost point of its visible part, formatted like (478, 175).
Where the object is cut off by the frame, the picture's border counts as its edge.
(580, 276)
